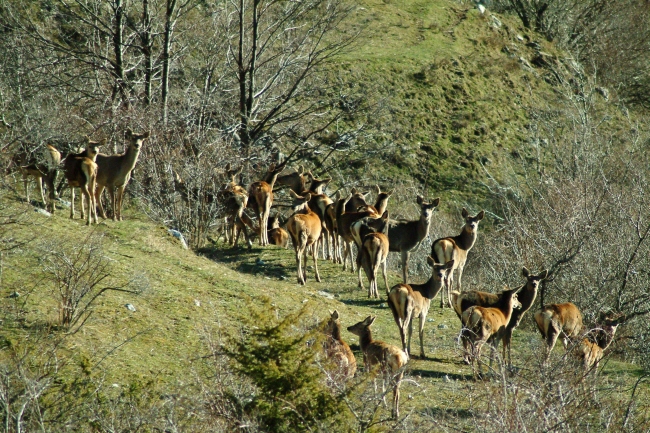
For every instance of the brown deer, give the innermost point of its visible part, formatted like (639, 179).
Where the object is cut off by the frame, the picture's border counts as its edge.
(373, 250)
(278, 235)
(593, 346)
(332, 227)
(296, 181)
(526, 297)
(487, 325)
(114, 172)
(81, 172)
(456, 248)
(318, 203)
(261, 198)
(390, 359)
(304, 226)
(407, 301)
(381, 203)
(344, 221)
(338, 350)
(42, 170)
(404, 236)
(559, 321)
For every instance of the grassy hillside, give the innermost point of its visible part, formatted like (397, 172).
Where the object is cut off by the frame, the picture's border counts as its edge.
(461, 95)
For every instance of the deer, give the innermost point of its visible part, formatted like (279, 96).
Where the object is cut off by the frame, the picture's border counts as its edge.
(296, 181)
(318, 203)
(558, 321)
(41, 169)
(277, 235)
(373, 250)
(261, 199)
(304, 226)
(407, 301)
(526, 297)
(404, 236)
(487, 325)
(337, 350)
(381, 202)
(81, 172)
(457, 248)
(390, 359)
(114, 173)
(344, 221)
(593, 346)
(332, 227)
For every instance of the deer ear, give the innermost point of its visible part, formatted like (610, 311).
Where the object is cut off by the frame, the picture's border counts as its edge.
(543, 274)
(480, 215)
(436, 201)
(102, 142)
(385, 215)
(307, 197)
(293, 194)
(146, 134)
(129, 132)
(353, 191)
(449, 264)
(464, 213)
(377, 189)
(334, 314)
(419, 199)
(389, 193)
(228, 167)
(525, 272)
(430, 261)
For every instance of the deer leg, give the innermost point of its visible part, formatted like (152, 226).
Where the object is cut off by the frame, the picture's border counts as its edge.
(72, 202)
(551, 338)
(410, 332)
(384, 272)
(25, 184)
(405, 260)
(298, 265)
(98, 199)
(316, 262)
(39, 186)
(422, 320)
(398, 380)
(117, 212)
(85, 196)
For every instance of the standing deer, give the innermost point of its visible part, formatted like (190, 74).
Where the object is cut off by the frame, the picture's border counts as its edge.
(296, 181)
(304, 226)
(233, 198)
(41, 169)
(559, 320)
(81, 172)
(373, 250)
(526, 297)
(407, 301)
(404, 236)
(261, 198)
(344, 223)
(488, 325)
(390, 359)
(456, 248)
(338, 350)
(114, 172)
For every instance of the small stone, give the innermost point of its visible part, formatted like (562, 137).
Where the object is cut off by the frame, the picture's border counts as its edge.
(259, 262)
(430, 320)
(14, 295)
(325, 294)
(446, 378)
(178, 235)
(42, 212)
(197, 302)
(442, 326)
(384, 305)
(130, 307)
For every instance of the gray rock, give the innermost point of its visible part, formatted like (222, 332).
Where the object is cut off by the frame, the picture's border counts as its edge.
(42, 212)
(442, 326)
(14, 295)
(130, 307)
(178, 235)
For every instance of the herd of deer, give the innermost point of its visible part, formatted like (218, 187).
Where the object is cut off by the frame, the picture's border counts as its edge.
(88, 170)
(323, 224)
(320, 223)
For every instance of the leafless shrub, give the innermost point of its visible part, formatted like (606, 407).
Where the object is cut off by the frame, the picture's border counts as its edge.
(81, 273)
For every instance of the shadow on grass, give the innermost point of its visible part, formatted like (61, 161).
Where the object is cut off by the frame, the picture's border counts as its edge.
(440, 374)
(370, 303)
(247, 261)
(445, 412)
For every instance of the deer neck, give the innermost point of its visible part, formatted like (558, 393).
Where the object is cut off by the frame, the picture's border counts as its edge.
(130, 157)
(336, 332)
(428, 290)
(465, 240)
(423, 227)
(365, 340)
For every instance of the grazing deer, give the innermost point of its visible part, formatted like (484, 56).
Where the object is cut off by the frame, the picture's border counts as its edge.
(114, 172)
(456, 248)
(278, 235)
(304, 226)
(296, 181)
(41, 169)
(373, 250)
(390, 359)
(407, 301)
(81, 172)
(526, 297)
(338, 350)
(487, 325)
(558, 321)
(404, 236)
(261, 199)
